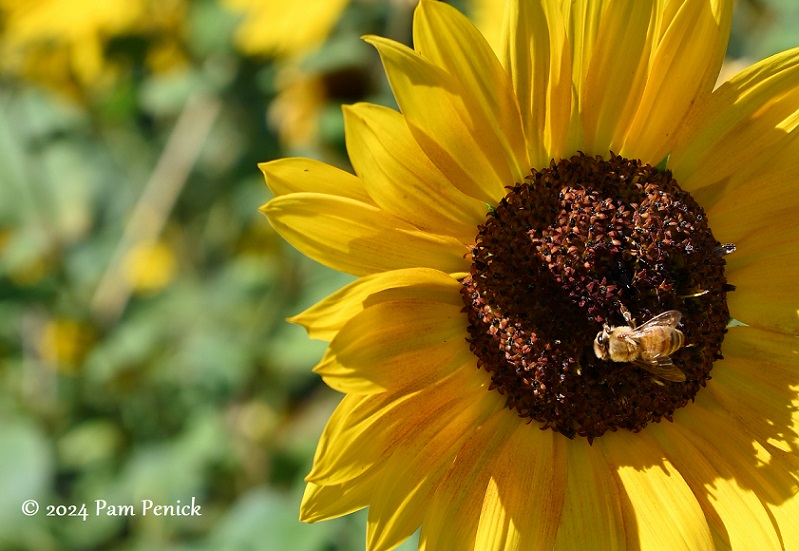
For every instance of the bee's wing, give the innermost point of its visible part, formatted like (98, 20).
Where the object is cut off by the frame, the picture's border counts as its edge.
(663, 368)
(669, 318)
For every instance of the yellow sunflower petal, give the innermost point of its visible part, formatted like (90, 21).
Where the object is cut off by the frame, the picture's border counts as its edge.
(739, 128)
(357, 238)
(757, 384)
(617, 73)
(786, 512)
(764, 275)
(295, 175)
(737, 518)
(582, 20)
(737, 161)
(760, 149)
(328, 316)
(401, 179)
(754, 201)
(358, 421)
(592, 510)
(684, 68)
(327, 502)
(400, 501)
(536, 53)
(660, 510)
(768, 472)
(394, 344)
(504, 490)
(365, 431)
(448, 39)
(438, 116)
(430, 441)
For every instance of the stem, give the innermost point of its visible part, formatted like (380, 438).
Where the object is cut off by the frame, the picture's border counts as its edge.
(152, 210)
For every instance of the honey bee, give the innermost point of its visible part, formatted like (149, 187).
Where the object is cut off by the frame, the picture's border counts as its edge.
(648, 345)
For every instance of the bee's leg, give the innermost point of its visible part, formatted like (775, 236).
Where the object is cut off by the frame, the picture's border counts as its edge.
(628, 317)
(723, 249)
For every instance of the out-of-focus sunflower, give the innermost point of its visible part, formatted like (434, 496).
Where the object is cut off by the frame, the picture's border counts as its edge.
(497, 223)
(62, 44)
(278, 28)
(64, 343)
(296, 113)
(150, 267)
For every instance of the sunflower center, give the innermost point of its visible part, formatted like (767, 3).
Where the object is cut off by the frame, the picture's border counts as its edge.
(569, 271)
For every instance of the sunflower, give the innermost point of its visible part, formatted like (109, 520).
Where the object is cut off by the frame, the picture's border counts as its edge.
(520, 213)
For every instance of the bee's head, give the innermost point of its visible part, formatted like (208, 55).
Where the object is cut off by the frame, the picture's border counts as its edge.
(601, 343)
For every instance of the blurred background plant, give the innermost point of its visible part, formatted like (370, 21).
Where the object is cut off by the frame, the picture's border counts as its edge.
(143, 348)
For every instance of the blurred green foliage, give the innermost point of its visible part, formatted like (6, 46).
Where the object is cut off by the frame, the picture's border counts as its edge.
(144, 352)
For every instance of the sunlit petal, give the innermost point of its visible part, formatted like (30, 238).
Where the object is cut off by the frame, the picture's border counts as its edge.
(536, 53)
(401, 179)
(327, 502)
(592, 510)
(616, 76)
(401, 500)
(683, 70)
(724, 499)
(365, 431)
(740, 127)
(444, 36)
(393, 344)
(660, 510)
(326, 318)
(767, 471)
(757, 384)
(439, 118)
(294, 175)
(486, 498)
(773, 306)
(358, 238)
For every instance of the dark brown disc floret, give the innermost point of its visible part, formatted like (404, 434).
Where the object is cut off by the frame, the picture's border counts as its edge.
(561, 256)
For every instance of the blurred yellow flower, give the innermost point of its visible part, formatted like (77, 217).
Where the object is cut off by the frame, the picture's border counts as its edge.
(297, 110)
(62, 44)
(294, 113)
(511, 210)
(149, 268)
(280, 28)
(64, 342)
